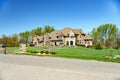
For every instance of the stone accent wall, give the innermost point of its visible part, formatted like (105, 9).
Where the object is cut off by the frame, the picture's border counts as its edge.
(23, 47)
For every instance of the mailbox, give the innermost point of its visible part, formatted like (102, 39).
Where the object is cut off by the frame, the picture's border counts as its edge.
(3, 45)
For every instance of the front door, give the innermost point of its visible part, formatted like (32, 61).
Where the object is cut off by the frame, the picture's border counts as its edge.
(71, 42)
(55, 43)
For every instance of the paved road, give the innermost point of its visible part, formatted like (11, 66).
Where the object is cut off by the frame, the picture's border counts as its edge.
(14, 67)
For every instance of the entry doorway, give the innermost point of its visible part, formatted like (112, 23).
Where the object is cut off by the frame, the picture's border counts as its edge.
(71, 42)
(55, 43)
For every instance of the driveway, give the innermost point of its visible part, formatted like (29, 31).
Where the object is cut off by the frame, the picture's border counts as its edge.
(13, 67)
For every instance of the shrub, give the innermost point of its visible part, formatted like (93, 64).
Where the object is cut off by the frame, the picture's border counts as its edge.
(32, 45)
(34, 51)
(41, 52)
(82, 45)
(53, 53)
(89, 46)
(98, 46)
(115, 47)
(28, 50)
(109, 47)
(47, 52)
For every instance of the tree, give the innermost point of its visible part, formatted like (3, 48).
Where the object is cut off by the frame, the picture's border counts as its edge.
(21, 35)
(24, 35)
(15, 40)
(37, 31)
(105, 34)
(47, 29)
(12, 41)
(95, 35)
(118, 39)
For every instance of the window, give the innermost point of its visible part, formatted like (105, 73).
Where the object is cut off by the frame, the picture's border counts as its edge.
(67, 42)
(72, 37)
(60, 37)
(61, 42)
(86, 42)
(80, 41)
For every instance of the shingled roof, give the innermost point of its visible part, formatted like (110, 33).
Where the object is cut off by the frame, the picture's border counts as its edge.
(54, 34)
(87, 36)
(40, 38)
(66, 31)
(78, 31)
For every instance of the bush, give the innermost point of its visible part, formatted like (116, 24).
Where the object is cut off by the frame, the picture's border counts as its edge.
(47, 52)
(98, 46)
(28, 50)
(109, 47)
(89, 46)
(32, 45)
(53, 53)
(41, 52)
(115, 47)
(82, 45)
(34, 51)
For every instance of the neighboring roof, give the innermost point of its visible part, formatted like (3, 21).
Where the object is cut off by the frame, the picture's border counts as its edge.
(22, 41)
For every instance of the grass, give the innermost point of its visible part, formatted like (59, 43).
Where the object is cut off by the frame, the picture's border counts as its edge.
(87, 54)
(76, 53)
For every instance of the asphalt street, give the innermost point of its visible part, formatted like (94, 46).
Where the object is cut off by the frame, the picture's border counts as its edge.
(14, 67)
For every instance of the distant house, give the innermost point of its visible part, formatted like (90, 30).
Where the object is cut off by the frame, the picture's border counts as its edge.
(67, 36)
(38, 40)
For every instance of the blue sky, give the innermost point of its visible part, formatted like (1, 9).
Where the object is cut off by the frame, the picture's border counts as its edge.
(20, 15)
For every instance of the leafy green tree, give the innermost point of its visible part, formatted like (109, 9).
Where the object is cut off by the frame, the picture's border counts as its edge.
(12, 41)
(37, 31)
(15, 40)
(105, 34)
(24, 35)
(47, 29)
(95, 35)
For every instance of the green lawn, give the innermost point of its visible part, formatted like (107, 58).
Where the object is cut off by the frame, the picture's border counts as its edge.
(87, 53)
(78, 53)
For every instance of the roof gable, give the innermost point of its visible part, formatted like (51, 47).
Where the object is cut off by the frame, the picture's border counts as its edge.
(66, 31)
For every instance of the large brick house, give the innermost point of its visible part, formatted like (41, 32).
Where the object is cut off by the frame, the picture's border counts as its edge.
(67, 36)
